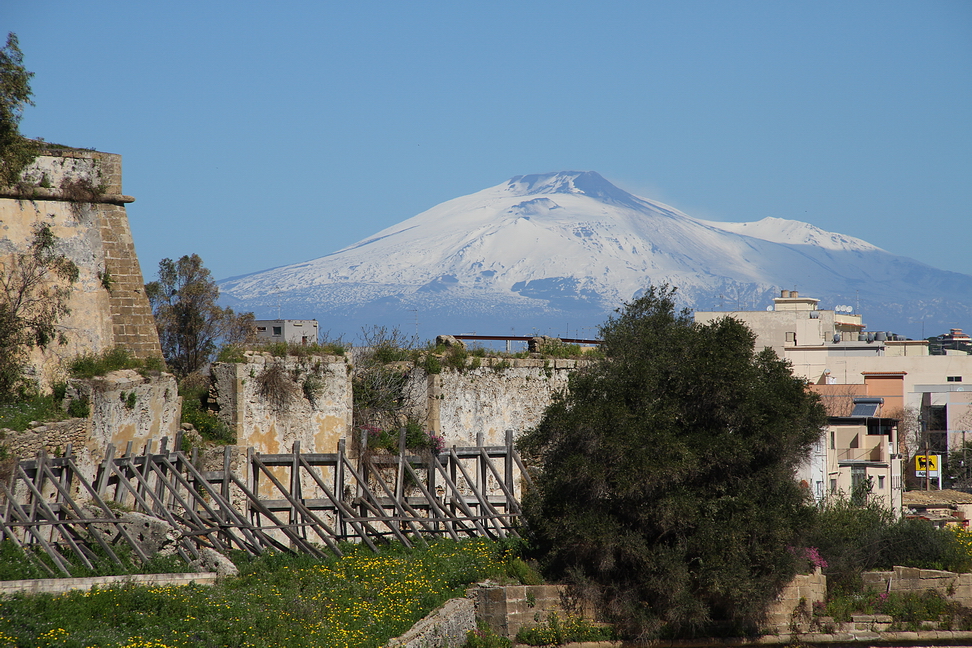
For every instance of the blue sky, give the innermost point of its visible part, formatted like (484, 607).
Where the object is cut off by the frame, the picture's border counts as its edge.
(263, 134)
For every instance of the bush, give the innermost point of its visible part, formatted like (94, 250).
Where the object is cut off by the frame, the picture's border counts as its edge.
(665, 490)
(554, 632)
(484, 637)
(854, 538)
(416, 438)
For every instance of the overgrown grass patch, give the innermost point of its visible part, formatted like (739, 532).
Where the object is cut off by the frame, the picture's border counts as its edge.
(210, 427)
(98, 364)
(16, 565)
(18, 416)
(362, 599)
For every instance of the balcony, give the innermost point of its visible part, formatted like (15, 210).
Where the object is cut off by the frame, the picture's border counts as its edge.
(876, 454)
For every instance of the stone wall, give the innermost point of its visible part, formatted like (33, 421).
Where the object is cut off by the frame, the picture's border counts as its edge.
(499, 395)
(956, 587)
(445, 628)
(78, 193)
(50, 437)
(273, 427)
(116, 417)
(507, 609)
(792, 609)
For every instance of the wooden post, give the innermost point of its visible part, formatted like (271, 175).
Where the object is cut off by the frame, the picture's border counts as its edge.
(339, 488)
(400, 477)
(508, 463)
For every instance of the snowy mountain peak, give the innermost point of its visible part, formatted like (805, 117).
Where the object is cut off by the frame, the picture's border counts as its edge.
(570, 247)
(586, 183)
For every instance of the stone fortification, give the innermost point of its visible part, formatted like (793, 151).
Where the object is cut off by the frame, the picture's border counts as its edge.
(270, 412)
(500, 394)
(78, 193)
(124, 407)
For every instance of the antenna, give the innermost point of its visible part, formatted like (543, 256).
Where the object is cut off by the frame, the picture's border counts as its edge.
(415, 310)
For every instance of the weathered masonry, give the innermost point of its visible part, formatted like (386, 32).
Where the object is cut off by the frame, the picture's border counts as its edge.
(79, 195)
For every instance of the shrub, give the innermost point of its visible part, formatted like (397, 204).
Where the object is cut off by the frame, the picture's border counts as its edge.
(80, 407)
(856, 537)
(455, 359)
(555, 632)
(195, 396)
(90, 365)
(484, 637)
(431, 364)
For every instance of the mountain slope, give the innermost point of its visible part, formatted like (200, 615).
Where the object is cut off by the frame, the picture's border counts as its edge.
(571, 247)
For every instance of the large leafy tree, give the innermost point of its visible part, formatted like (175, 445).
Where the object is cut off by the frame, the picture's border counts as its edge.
(15, 151)
(666, 488)
(35, 286)
(190, 322)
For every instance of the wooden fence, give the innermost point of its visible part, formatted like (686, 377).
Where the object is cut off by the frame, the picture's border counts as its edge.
(301, 502)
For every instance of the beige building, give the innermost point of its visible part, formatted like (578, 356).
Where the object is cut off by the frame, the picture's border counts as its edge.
(832, 350)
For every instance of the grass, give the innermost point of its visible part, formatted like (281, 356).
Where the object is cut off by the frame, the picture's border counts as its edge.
(362, 599)
(15, 565)
(92, 365)
(210, 427)
(908, 610)
(554, 632)
(18, 416)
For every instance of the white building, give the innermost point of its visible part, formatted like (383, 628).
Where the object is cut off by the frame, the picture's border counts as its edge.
(287, 330)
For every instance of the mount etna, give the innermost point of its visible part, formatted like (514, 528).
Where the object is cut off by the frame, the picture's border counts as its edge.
(556, 253)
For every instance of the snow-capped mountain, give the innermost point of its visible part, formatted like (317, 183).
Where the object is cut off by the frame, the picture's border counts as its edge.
(555, 253)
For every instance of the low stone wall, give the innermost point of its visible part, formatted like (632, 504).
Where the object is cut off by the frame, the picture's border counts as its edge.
(124, 406)
(793, 608)
(59, 585)
(955, 587)
(445, 628)
(52, 437)
(507, 609)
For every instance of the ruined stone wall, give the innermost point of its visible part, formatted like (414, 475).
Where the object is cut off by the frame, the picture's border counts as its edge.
(951, 585)
(78, 193)
(499, 395)
(271, 427)
(123, 407)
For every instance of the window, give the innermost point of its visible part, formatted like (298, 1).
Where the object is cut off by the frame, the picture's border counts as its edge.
(954, 379)
(880, 482)
(832, 444)
(859, 484)
(278, 330)
(262, 329)
(790, 337)
(833, 485)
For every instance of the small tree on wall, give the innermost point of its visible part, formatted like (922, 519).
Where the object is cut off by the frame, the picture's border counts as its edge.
(187, 316)
(34, 289)
(666, 490)
(16, 152)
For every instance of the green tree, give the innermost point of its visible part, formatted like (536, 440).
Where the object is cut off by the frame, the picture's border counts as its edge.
(190, 322)
(34, 289)
(16, 152)
(665, 484)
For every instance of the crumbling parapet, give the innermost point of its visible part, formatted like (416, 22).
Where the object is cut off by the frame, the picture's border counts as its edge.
(309, 401)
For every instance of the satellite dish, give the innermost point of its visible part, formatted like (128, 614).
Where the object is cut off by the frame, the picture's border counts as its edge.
(769, 308)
